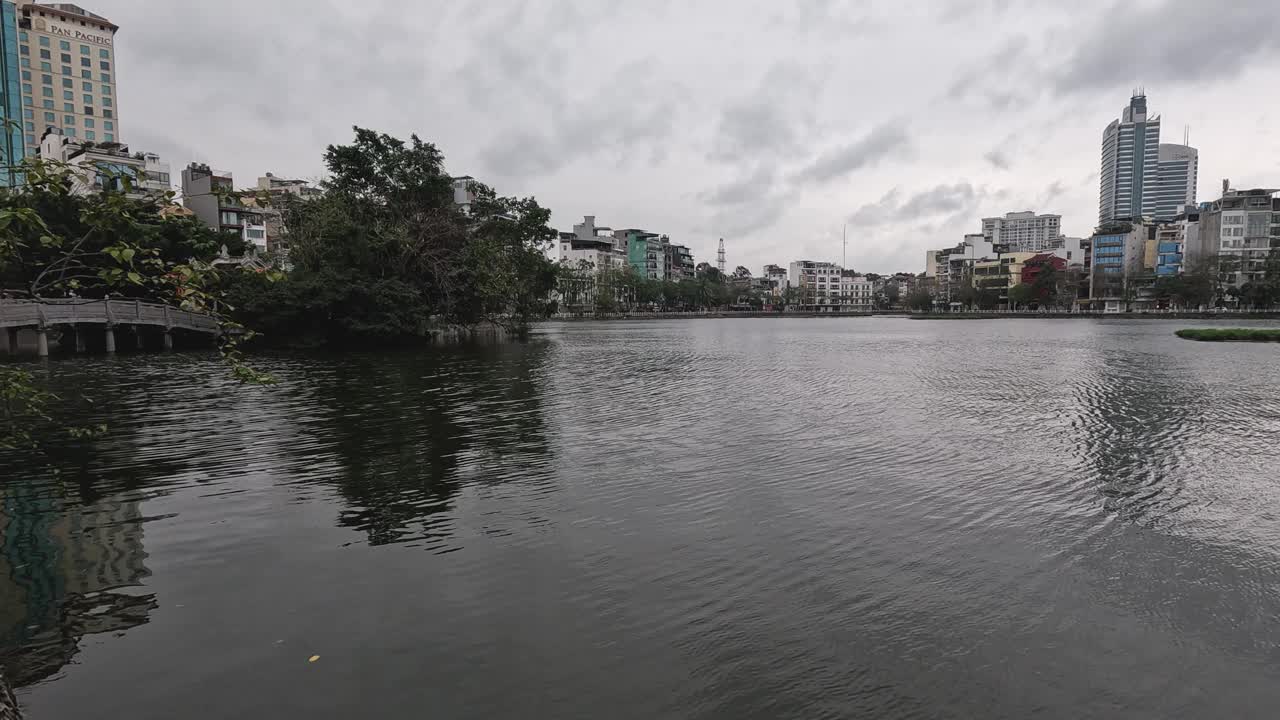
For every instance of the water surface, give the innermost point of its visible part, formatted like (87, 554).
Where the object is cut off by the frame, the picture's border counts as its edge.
(689, 519)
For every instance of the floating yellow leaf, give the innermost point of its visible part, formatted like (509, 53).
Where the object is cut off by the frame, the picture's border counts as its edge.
(313, 658)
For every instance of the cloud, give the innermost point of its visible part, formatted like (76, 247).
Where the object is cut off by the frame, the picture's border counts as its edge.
(885, 140)
(743, 190)
(997, 158)
(1184, 43)
(940, 200)
(1055, 190)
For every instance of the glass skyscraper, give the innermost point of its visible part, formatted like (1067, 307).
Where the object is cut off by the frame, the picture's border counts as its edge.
(1130, 158)
(12, 147)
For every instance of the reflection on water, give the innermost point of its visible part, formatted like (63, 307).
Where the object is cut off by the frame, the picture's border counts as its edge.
(824, 518)
(60, 570)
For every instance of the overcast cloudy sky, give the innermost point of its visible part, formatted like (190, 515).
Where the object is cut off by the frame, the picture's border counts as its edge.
(767, 123)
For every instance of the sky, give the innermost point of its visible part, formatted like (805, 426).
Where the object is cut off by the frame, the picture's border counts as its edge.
(775, 126)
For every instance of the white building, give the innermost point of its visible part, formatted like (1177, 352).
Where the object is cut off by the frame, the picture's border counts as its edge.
(1023, 231)
(67, 59)
(827, 287)
(1240, 227)
(158, 178)
(95, 166)
(1071, 249)
(1130, 158)
(275, 186)
(1176, 179)
(857, 293)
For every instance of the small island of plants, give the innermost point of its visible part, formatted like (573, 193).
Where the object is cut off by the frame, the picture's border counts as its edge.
(1231, 334)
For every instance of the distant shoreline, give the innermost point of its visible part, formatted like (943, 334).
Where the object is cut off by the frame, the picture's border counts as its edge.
(926, 316)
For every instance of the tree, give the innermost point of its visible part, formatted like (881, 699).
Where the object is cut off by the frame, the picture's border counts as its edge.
(741, 273)
(385, 256)
(1020, 295)
(920, 300)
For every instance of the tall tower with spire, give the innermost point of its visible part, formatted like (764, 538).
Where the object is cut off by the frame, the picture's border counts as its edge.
(720, 257)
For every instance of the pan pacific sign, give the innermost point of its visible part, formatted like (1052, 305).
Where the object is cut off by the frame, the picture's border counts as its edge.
(72, 33)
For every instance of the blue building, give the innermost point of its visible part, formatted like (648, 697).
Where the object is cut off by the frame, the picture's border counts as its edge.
(12, 146)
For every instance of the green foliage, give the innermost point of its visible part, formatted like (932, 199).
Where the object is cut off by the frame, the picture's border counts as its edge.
(385, 256)
(1020, 295)
(920, 300)
(1231, 334)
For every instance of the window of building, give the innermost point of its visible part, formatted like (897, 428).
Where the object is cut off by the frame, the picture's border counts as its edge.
(107, 113)
(28, 113)
(90, 135)
(31, 139)
(50, 117)
(104, 65)
(66, 70)
(46, 55)
(27, 100)
(46, 79)
(65, 57)
(48, 104)
(29, 126)
(86, 62)
(106, 77)
(255, 234)
(108, 125)
(48, 91)
(86, 74)
(106, 102)
(26, 62)
(68, 119)
(106, 89)
(88, 98)
(24, 50)
(44, 41)
(104, 53)
(88, 110)
(26, 75)
(86, 86)
(67, 82)
(109, 137)
(68, 107)
(22, 35)
(84, 49)
(88, 122)
(69, 132)
(26, 88)
(68, 95)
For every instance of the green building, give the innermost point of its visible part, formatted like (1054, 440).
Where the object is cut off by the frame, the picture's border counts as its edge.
(12, 147)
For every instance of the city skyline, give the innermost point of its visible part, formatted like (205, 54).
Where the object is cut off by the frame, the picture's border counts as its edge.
(769, 150)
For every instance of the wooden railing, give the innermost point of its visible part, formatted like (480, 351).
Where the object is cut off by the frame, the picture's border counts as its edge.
(43, 313)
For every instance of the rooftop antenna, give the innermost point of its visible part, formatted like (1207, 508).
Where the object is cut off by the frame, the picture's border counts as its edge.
(1186, 135)
(720, 257)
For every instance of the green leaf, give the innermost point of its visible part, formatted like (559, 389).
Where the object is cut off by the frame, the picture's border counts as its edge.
(135, 278)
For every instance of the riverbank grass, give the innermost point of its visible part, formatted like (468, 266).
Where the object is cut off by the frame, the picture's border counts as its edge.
(1231, 334)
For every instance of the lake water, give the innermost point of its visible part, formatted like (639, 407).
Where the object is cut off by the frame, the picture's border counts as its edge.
(689, 519)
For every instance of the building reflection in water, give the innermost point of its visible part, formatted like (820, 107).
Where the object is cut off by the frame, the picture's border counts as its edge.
(62, 569)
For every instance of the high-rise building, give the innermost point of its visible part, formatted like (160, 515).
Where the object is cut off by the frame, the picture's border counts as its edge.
(68, 74)
(1176, 176)
(1024, 231)
(1130, 161)
(12, 146)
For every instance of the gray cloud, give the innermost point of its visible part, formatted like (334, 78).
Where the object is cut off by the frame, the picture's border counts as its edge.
(754, 121)
(959, 197)
(883, 141)
(1188, 43)
(997, 158)
(744, 189)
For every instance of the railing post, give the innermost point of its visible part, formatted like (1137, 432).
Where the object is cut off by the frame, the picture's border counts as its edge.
(109, 334)
(137, 337)
(42, 334)
(80, 345)
(168, 330)
(12, 334)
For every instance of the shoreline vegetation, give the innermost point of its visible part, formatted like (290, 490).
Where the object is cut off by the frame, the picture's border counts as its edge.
(1230, 334)
(720, 315)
